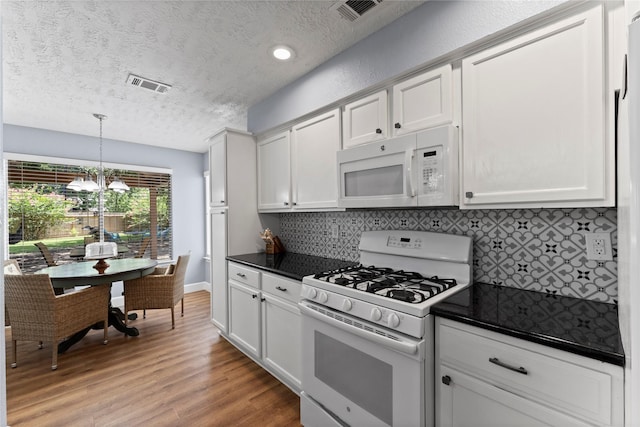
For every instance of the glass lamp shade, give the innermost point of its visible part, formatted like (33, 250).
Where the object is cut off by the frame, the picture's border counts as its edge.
(101, 250)
(90, 185)
(118, 186)
(77, 184)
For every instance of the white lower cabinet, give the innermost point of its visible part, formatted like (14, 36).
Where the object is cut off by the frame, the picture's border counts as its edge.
(244, 317)
(281, 338)
(488, 379)
(264, 321)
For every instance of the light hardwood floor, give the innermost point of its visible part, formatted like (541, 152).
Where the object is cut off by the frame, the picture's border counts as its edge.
(188, 376)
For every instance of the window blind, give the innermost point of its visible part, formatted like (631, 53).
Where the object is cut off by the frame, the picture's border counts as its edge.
(41, 207)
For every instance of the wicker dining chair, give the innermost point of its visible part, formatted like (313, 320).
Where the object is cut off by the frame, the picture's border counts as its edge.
(46, 253)
(11, 266)
(160, 290)
(37, 314)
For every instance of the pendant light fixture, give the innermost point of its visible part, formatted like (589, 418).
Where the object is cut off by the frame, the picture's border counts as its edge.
(118, 186)
(101, 250)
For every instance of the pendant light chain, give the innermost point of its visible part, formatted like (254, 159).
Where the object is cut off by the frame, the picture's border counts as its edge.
(101, 117)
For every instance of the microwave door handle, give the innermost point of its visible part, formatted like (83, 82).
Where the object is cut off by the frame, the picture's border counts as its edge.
(408, 161)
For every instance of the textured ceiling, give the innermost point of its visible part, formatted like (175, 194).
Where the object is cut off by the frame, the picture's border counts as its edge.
(64, 60)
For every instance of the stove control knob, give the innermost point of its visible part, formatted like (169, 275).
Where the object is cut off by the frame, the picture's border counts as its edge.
(347, 304)
(393, 320)
(323, 297)
(376, 314)
(312, 293)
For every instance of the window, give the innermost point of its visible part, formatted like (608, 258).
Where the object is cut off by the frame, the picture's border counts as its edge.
(42, 208)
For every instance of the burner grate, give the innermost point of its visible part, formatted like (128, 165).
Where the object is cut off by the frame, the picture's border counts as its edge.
(406, 286)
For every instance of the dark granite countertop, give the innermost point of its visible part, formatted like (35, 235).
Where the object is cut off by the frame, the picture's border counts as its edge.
(584, 327)
(289, 264)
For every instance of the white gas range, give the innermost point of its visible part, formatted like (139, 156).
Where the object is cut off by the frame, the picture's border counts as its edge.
(367, 333)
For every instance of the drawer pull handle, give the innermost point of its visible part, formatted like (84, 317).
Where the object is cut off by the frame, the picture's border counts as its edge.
(497, 361)
(241, 275)
(280, 288)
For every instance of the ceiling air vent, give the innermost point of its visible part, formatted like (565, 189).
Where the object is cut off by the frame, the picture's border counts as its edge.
(352, 10)
(147, 84)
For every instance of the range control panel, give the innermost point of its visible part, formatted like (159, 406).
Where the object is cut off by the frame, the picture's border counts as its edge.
(404, 242)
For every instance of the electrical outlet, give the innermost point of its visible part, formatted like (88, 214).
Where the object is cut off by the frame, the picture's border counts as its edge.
(599, 246)
(335, 231)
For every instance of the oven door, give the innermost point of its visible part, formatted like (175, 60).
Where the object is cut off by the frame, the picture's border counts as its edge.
(378, 174)
(357, 374)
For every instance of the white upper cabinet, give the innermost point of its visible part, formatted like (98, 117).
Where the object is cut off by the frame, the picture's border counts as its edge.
(218, 170)
(534, 115)
(423, 101)
(274, 173)
(365, 120)
(315, 143)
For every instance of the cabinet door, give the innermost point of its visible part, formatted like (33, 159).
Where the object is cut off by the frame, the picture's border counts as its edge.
(314, 147)
(244, 317)
(465, 401)
(423, 101)
(218, 170)
(281, 338)
(219, 269)
(365, 120)
(534, 119)
(274, 177)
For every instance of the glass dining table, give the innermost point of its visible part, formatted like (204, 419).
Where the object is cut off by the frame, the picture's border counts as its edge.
(66, 276)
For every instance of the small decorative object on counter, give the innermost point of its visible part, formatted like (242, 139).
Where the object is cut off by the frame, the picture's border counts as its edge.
(273, 245)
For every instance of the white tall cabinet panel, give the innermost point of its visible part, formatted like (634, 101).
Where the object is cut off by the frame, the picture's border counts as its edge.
(219, 268)
(534, 118)
(235, 223)
(274, 173)
(315, 143)
(218, 171)
(423, 101)
(365, 120)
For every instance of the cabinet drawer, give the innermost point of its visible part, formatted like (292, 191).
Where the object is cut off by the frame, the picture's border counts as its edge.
(574, 384)
(281, 287)
(244, 275)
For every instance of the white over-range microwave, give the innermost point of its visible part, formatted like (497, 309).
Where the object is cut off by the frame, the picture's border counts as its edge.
(420, 169)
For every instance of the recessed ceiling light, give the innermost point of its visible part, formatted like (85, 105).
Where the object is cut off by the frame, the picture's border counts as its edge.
(282, 53)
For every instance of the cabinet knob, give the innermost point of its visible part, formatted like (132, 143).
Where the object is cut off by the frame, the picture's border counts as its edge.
(221, 201)
(382, 148)
(295, 204)
(378, 130)
(286, 203)
(254, 296)
(263, 299)
(468, 194)
(446, 380)
(397, 126)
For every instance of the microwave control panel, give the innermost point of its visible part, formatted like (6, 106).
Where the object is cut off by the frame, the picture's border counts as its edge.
(431, 170)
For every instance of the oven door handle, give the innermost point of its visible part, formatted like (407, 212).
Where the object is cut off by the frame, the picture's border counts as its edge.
(403, 347)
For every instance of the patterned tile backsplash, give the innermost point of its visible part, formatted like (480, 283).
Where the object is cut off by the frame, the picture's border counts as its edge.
(536, 249)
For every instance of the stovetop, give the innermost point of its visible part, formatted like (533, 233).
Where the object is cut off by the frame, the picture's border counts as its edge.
(406, 286)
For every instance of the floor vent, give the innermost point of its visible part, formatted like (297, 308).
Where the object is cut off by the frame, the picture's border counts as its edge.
(145, 83)
(352, 10)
